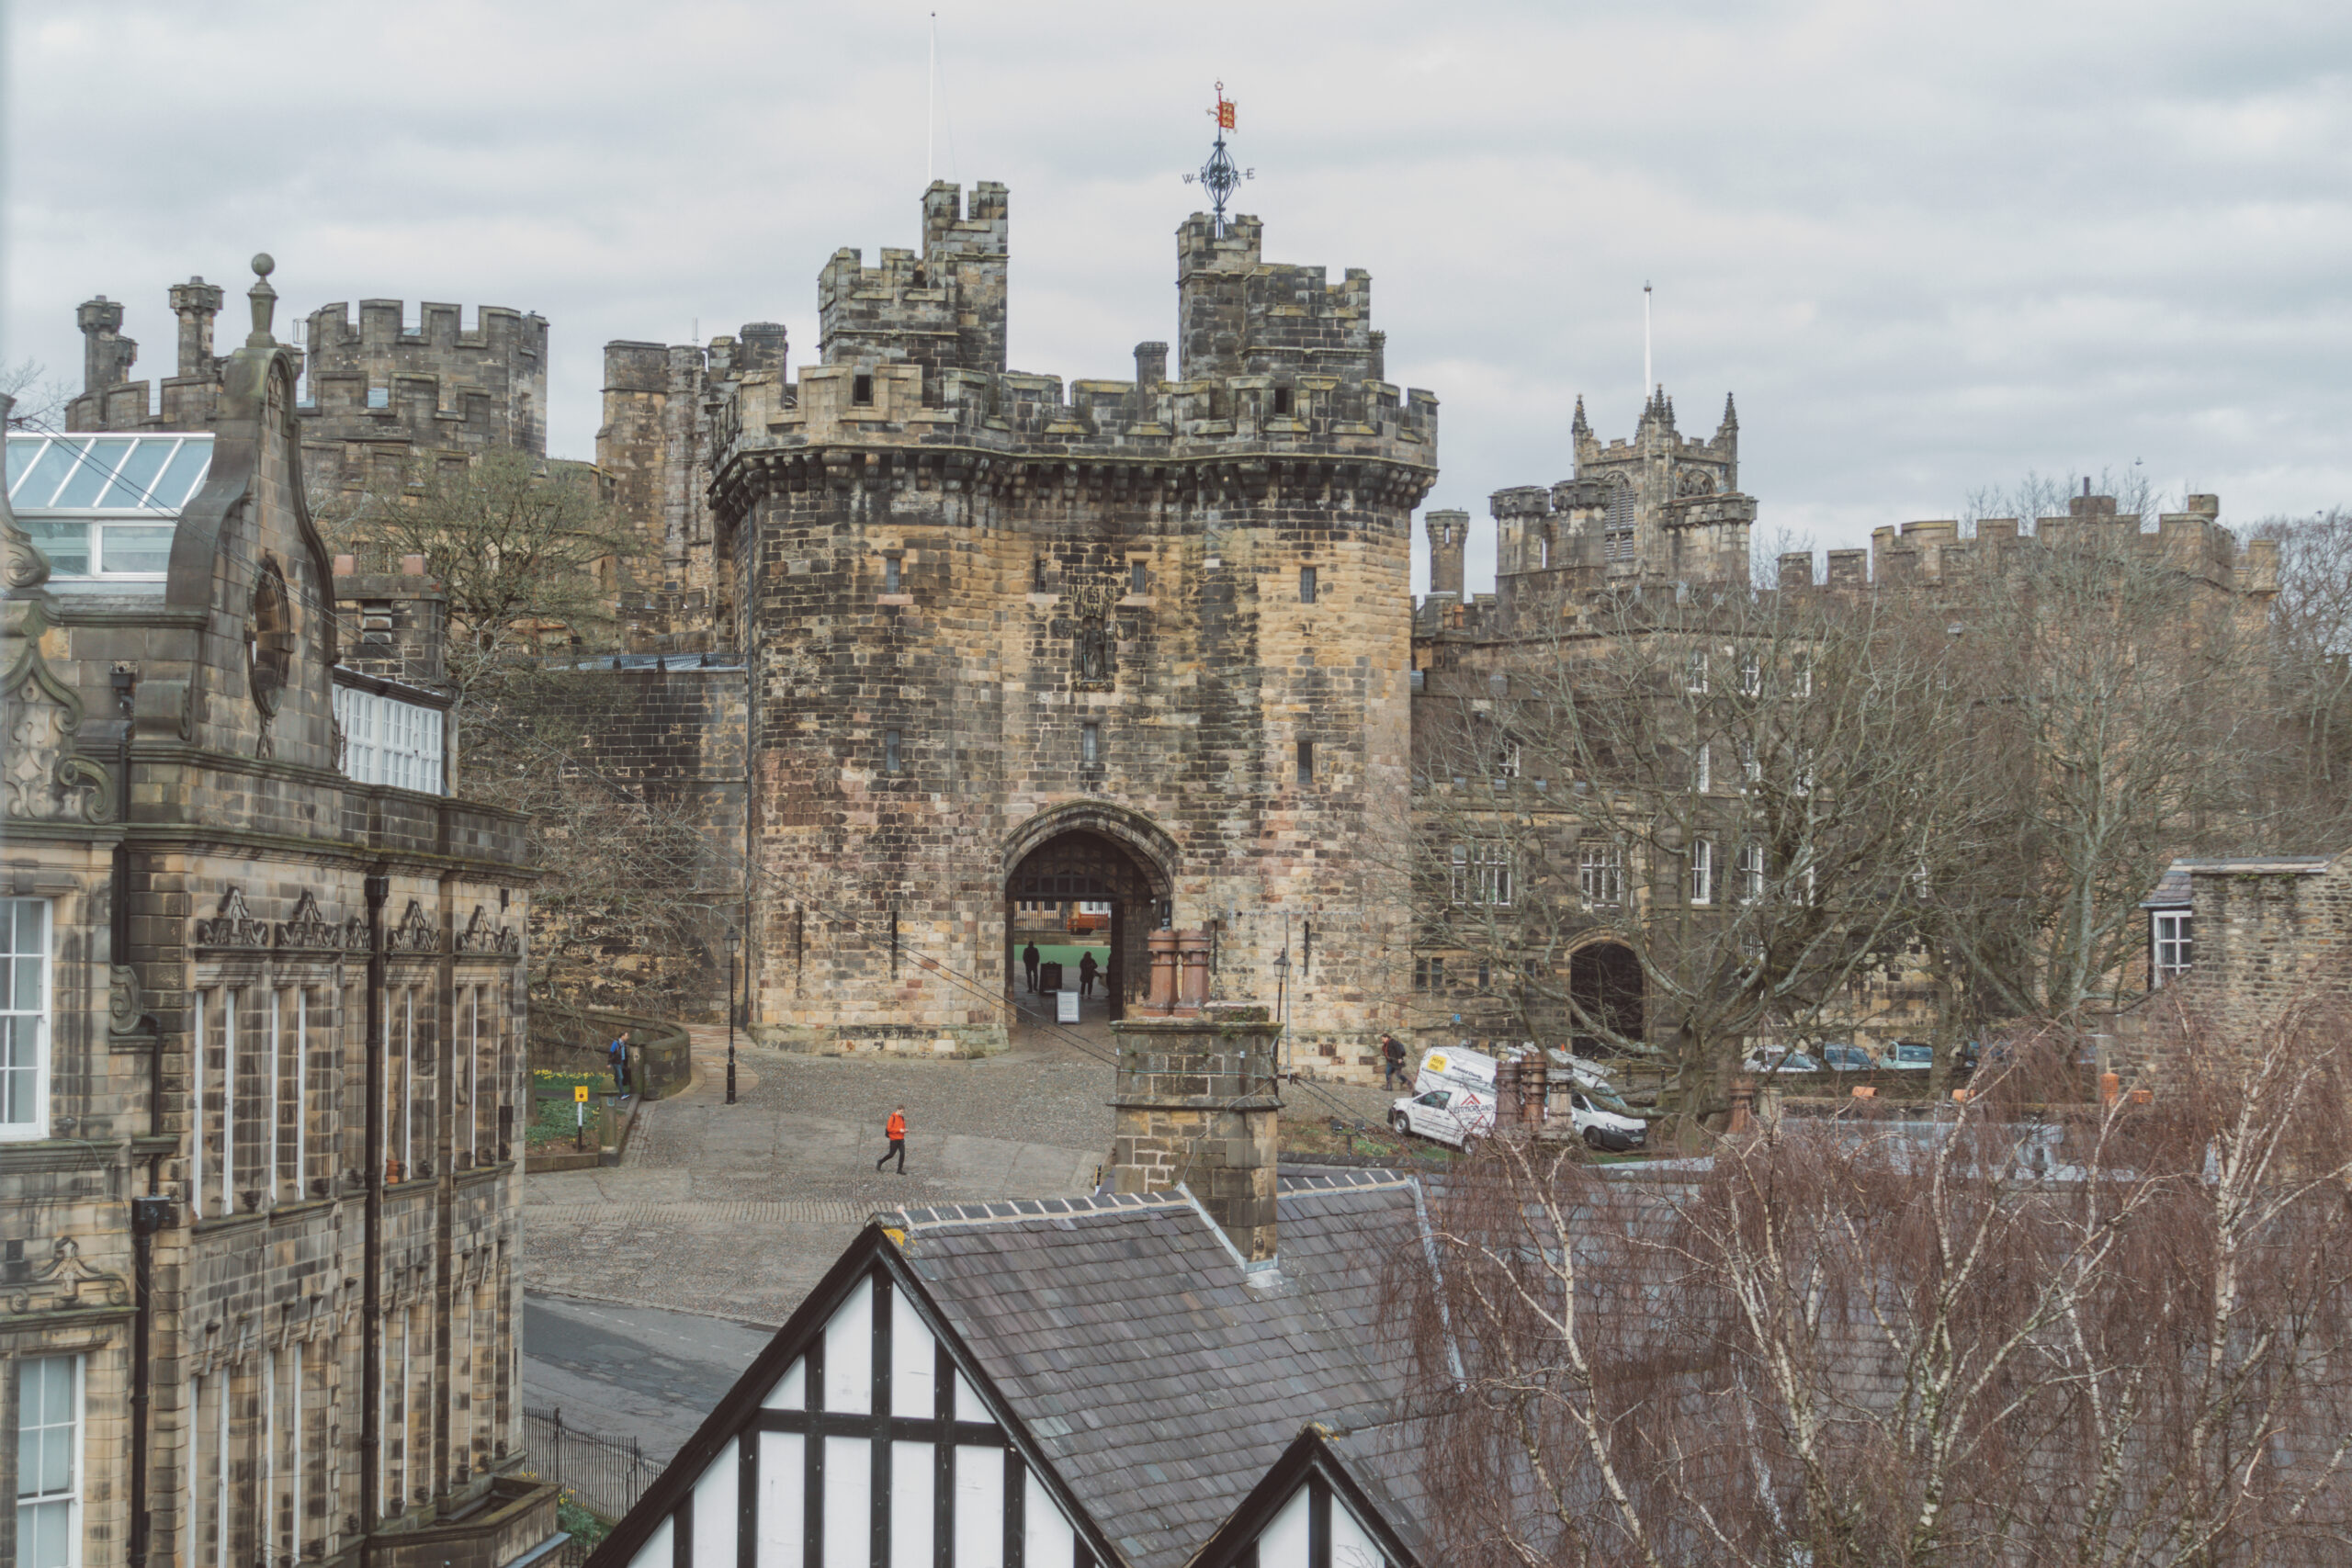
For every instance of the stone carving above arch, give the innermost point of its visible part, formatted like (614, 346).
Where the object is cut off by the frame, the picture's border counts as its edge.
(233, 925)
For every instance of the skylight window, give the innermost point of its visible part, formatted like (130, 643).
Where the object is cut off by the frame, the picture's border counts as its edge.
(104, 506)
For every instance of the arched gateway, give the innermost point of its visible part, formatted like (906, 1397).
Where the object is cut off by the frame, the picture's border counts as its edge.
(1084, 858)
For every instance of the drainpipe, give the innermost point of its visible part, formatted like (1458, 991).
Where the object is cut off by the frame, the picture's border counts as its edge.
(154, 1212)
(148, 1215)
(371, 1351)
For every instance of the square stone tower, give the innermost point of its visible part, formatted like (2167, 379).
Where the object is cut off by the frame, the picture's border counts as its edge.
(1141, 643)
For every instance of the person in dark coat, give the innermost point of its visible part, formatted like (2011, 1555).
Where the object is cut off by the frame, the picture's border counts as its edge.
(1392, 1061)
(1086, 968)
(618, 1053)
(1029, 964)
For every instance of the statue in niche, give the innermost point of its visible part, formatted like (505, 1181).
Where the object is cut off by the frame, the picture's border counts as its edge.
(1093, 651)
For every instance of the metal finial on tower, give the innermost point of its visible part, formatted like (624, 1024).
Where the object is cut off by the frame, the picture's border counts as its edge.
(1218, 176)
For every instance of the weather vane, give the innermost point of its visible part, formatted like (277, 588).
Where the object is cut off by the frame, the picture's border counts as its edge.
(1218, 176)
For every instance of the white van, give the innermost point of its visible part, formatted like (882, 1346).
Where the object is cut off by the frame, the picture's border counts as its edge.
(1453, 1099)
(1453, 1102)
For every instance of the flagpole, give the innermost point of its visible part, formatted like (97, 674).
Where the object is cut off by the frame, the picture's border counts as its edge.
(1647, 388)
(931, 104)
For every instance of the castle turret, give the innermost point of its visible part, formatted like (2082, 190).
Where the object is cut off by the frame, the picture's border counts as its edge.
(944, 310)
(1449, 533)
(381, 396)
(107, 354)
(196, 302)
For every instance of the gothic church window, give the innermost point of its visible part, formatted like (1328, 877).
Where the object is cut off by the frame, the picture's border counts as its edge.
(1617, 530)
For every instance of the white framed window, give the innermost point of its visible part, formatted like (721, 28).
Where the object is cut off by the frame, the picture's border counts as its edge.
(1601, 874)
(1702, 872)
(1751, 873)
(1702, 768)
(1694, 673)
(1751, 674)
(386, 741)
(25, 1012)
(2171, 945)
(1801, 674)
(1482, 875)
(49, 1462)
(1751, 767)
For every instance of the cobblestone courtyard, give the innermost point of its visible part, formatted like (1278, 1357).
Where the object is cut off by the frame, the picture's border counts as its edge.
(736, 1211)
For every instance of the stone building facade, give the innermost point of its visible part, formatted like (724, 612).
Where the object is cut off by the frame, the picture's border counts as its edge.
(259, 1171)
(1140, 640)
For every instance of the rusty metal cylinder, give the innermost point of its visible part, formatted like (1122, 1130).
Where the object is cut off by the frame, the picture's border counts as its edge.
(1162, 996)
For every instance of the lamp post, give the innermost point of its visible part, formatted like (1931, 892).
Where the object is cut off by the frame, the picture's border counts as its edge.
(734, 941)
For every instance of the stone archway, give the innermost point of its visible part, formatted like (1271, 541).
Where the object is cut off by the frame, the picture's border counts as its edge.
(1093, 855)
(1605, 981)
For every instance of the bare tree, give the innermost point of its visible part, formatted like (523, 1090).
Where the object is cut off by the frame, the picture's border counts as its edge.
(2311, 645)
(40, 400)
(2018, 1335)
(1749, 791)
(2121, 707)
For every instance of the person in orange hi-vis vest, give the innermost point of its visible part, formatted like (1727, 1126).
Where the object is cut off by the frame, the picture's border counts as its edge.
(895, 1129)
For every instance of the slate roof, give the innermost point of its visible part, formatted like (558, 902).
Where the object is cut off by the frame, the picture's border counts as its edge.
(1161, 1376)
(2171, 891)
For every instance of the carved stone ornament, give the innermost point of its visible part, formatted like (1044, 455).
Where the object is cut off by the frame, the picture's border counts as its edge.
(1093, 632)
(481, 936)
(1694, 482)
(414, 934)
(123, 997)
(234, 925)
(40, 776)
(309, 930)
(67, 1282)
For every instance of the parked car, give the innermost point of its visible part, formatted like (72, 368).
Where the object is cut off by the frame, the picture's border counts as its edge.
(1775, 1060)
(1907, 1056)
(1847, 1059)
(1605, 1129)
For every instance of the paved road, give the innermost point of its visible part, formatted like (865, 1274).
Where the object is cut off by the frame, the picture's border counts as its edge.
(630, 1371)
(736, 1211)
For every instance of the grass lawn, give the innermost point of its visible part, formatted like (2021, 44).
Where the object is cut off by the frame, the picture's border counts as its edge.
(552, 1117)
(1066, 954)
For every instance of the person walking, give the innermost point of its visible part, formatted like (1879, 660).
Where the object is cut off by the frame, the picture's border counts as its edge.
(1086, 970)
(895, 1129)
(618, 1054)
(1029, 964)
(1392, 1061)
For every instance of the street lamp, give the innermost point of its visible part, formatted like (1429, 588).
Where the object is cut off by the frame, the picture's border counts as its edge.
(734, 941)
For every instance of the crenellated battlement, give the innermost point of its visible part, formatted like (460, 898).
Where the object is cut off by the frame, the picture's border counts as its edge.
(942, 308)
(1277, 362)
(437, 386)
(111, 400)
(1934, 551)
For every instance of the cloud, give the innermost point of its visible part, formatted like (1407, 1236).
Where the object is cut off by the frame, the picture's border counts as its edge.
(1930, 247)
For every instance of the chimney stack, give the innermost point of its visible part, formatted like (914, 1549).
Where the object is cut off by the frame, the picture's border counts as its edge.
(196, 302)
(107, 354)
(1448, 534)
(1197, 1106)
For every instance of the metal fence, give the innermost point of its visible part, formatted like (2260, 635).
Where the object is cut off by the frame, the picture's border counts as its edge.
(605, 1476)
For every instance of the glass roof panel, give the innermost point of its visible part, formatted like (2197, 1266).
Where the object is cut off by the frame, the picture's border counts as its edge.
(134, 476)
(98, 466)
(56, 459)
(120, 473)
(179, 480)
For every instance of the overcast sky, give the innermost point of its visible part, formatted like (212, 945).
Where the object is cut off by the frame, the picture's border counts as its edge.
(1930, 247)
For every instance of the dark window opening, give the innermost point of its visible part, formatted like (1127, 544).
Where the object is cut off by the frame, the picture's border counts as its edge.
(1307, 761)
(1307, 585)
(1485, 977)
(1428, 973)
(890, 574)
(891, 757)
(1139, 577)
(861, 390)
(1037, 575)
(1282, 400)
(1090, 744)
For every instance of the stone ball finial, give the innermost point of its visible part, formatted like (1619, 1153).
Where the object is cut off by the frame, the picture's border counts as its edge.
(262, 265)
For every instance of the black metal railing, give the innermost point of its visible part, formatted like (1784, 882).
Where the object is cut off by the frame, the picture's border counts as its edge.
(605, 1476)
